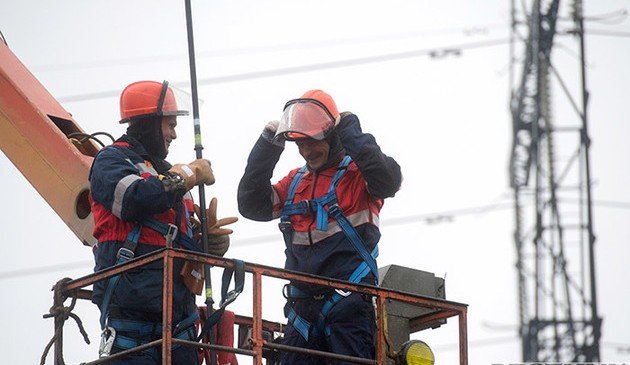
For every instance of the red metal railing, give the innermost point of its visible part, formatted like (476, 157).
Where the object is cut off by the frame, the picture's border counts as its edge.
(442, 308)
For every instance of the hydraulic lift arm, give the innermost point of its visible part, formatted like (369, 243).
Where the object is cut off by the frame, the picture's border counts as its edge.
(34, 130)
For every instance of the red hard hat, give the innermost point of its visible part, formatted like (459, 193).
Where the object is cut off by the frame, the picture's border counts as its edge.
(147, 98)
(323, 98)
(312, 116)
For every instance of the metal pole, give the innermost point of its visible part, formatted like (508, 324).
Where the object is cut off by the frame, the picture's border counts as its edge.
(198, 150)
(257, 338)
(167, 308)
(589, 211)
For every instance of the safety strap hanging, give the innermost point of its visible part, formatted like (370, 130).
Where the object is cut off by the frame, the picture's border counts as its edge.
(227, 297)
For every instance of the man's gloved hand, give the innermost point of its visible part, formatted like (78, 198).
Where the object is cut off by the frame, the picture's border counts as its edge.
(269, 132)
(197, 172)
(351, 135)
(341, 116)
(346, 119)
(218, 237)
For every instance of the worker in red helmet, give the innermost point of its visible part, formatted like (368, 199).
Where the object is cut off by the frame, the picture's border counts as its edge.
(141, 203)
(329, 216)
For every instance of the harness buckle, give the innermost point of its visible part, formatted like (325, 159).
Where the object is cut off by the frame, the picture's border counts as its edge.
(343, 293)
(170, 235)
(333, 207)
(125, 253)
(107, 341)
(229, 298)
(285, 227)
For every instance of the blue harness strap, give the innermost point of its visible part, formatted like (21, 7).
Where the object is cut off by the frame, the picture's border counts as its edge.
(318, 206)
(227, 297)
(125, 253)
(290, 208)
(163, 228)
(128, 252)
(144, 331)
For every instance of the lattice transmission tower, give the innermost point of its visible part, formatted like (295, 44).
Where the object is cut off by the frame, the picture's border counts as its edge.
(550, 177)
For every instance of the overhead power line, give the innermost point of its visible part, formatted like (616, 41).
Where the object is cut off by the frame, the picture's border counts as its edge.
(447, 216)
(610, 33)
(468, 31)
(307, 68)
(45, 269)
(431, 218)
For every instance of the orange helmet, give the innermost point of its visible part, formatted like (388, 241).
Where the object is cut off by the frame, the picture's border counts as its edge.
(147, 98)
(314, 115)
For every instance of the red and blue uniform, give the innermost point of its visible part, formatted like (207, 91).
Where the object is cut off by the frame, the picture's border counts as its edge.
(126, 189)
(315, 241)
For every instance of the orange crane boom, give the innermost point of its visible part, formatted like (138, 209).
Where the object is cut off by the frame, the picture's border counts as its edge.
(34, 131)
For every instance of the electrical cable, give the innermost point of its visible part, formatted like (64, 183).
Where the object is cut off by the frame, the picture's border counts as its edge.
(613, 18)
(427, 218)
(92, 136)
(466, 31)
(610, 33)
(306, 68)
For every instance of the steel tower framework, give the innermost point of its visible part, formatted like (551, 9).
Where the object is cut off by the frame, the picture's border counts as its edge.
(550, 177)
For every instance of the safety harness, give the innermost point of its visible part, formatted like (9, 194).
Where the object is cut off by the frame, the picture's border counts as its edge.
(323, 207)
(183, 330)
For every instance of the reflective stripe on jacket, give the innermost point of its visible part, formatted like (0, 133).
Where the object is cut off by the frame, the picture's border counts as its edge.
(329, 252)
(125, 188)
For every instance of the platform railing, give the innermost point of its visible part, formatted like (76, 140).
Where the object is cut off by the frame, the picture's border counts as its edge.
(442, 309)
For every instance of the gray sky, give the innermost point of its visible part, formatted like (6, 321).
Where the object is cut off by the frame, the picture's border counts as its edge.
(446, 121)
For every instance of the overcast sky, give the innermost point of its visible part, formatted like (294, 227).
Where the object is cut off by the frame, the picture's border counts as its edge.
(445, 120)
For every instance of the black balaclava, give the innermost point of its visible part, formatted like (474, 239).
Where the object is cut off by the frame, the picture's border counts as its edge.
(336, 151)
(148, 131)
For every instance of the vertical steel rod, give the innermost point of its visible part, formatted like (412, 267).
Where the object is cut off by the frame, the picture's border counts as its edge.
(463, 338)
(381, 349)
(257, 345)
(167, 309)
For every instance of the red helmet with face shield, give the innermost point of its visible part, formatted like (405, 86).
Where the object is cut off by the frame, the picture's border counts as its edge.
(146, 99)
(314, 115)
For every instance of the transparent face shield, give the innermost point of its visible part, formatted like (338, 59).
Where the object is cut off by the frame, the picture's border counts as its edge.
(305, 118)
(173, 101)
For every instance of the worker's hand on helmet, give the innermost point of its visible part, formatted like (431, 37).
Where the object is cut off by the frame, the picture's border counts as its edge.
(218, 236)
(197, 172)
(350, 133)
(341, 116)
(269, 133)
(345, 119)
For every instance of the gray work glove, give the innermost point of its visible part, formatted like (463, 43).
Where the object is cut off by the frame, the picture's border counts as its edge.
(269, 132)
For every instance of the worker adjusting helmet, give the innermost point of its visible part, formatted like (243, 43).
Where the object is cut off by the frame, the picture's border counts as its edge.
(145, 99)
(314, 115)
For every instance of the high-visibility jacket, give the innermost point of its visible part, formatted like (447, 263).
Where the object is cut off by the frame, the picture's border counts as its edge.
(125, 188)
(371, 177)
